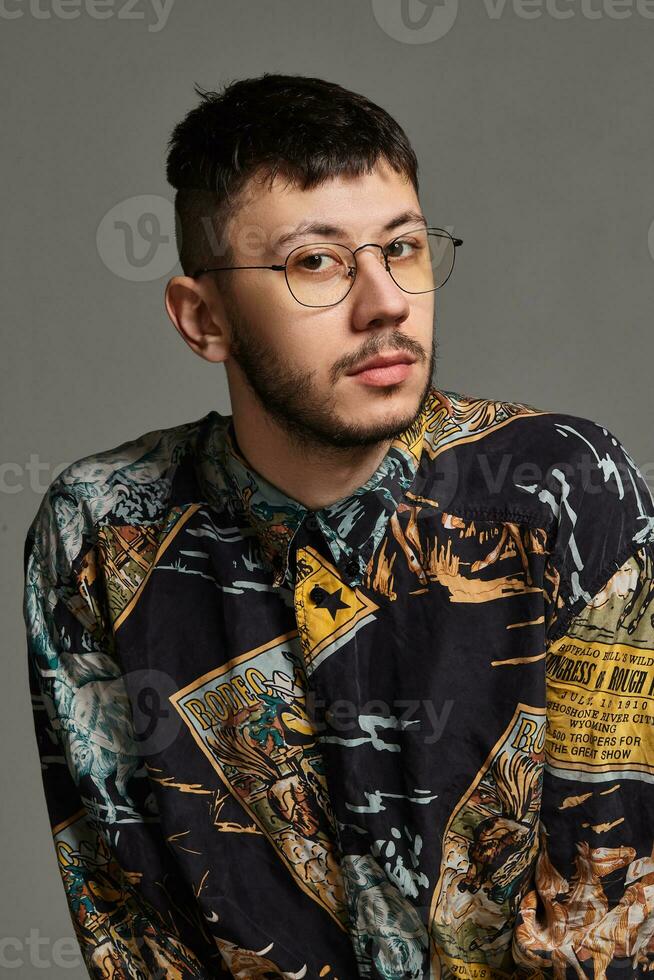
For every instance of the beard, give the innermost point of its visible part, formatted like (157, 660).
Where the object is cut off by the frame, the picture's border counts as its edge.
(309, 417)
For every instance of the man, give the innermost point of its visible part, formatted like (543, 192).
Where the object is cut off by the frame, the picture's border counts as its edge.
(357, 681)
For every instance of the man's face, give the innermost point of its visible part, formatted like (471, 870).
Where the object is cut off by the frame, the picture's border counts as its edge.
(295, 359)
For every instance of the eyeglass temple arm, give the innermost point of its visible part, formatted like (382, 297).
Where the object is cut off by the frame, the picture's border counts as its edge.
(227, 268)
(455, 241)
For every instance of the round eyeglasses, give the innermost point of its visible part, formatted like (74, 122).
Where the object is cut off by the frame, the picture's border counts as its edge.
(323, 273)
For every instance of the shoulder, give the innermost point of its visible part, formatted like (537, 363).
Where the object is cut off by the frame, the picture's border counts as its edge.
(510, 455)
(567, 474)
(128, 483)
(538, 435)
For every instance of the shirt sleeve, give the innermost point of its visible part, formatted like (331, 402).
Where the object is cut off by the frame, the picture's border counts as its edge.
(123, 918)
(590, 908)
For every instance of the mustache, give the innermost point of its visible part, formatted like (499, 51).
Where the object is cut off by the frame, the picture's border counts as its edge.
(405, 345)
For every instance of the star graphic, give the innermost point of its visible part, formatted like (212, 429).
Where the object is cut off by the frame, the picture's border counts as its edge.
(328, 600)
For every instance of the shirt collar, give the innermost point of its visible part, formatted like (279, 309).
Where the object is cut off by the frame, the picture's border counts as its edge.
(352, 527)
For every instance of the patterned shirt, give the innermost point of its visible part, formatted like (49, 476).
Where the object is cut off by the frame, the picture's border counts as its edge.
(406, 735)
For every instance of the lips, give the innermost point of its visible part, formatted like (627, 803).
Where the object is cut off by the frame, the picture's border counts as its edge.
(382, 362)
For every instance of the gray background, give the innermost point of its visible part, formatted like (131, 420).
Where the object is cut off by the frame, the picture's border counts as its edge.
(535, 139)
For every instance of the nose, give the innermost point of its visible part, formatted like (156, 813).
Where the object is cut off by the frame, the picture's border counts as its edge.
(376, 298)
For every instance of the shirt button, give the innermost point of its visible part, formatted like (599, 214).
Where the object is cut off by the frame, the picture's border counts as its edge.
(311, 523)
(352, 566)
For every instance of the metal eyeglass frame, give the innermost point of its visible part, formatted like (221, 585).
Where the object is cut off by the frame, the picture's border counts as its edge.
(352, 271)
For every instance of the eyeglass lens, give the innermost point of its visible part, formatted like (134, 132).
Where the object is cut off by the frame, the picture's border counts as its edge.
(322, 274)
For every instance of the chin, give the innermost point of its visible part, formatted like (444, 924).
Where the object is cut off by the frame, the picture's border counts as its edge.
(403, 393)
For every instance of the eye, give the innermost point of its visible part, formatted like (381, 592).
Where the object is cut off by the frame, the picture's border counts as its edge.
(313, 262)
(393, 250)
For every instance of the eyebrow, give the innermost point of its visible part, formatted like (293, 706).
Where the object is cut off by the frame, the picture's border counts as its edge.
(324, 230)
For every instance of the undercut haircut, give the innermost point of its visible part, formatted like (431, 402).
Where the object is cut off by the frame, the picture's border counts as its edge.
(301, 129)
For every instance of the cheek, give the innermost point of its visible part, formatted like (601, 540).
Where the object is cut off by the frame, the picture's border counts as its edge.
(312, 352)
(422, 310)
(303, 339)
(266, 305)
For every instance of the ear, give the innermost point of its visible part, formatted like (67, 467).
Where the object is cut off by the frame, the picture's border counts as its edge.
(198, 314)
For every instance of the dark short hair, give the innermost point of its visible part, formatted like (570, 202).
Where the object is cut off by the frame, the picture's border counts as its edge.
(301, 128)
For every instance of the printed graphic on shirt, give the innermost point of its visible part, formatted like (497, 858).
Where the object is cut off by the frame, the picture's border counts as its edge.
(250, 964)
(250, 719)
(455, 419)
(386, 929)
(95, 730)
(598, 486)
(489, 846)
(568, 921)
(116, 929)
(600, 682)
(127, 554)
(328, 611)
(476, 561)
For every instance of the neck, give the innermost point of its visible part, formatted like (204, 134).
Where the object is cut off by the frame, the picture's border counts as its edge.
(316, 476)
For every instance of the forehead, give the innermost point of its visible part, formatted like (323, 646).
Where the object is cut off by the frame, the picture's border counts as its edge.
(356, 208)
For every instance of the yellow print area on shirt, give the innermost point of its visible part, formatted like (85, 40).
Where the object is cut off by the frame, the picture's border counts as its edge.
(600, 683)
(600, 704)
(471, 971)
(328, 611)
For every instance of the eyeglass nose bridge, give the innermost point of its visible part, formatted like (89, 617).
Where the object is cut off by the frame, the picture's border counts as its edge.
(352, 271)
